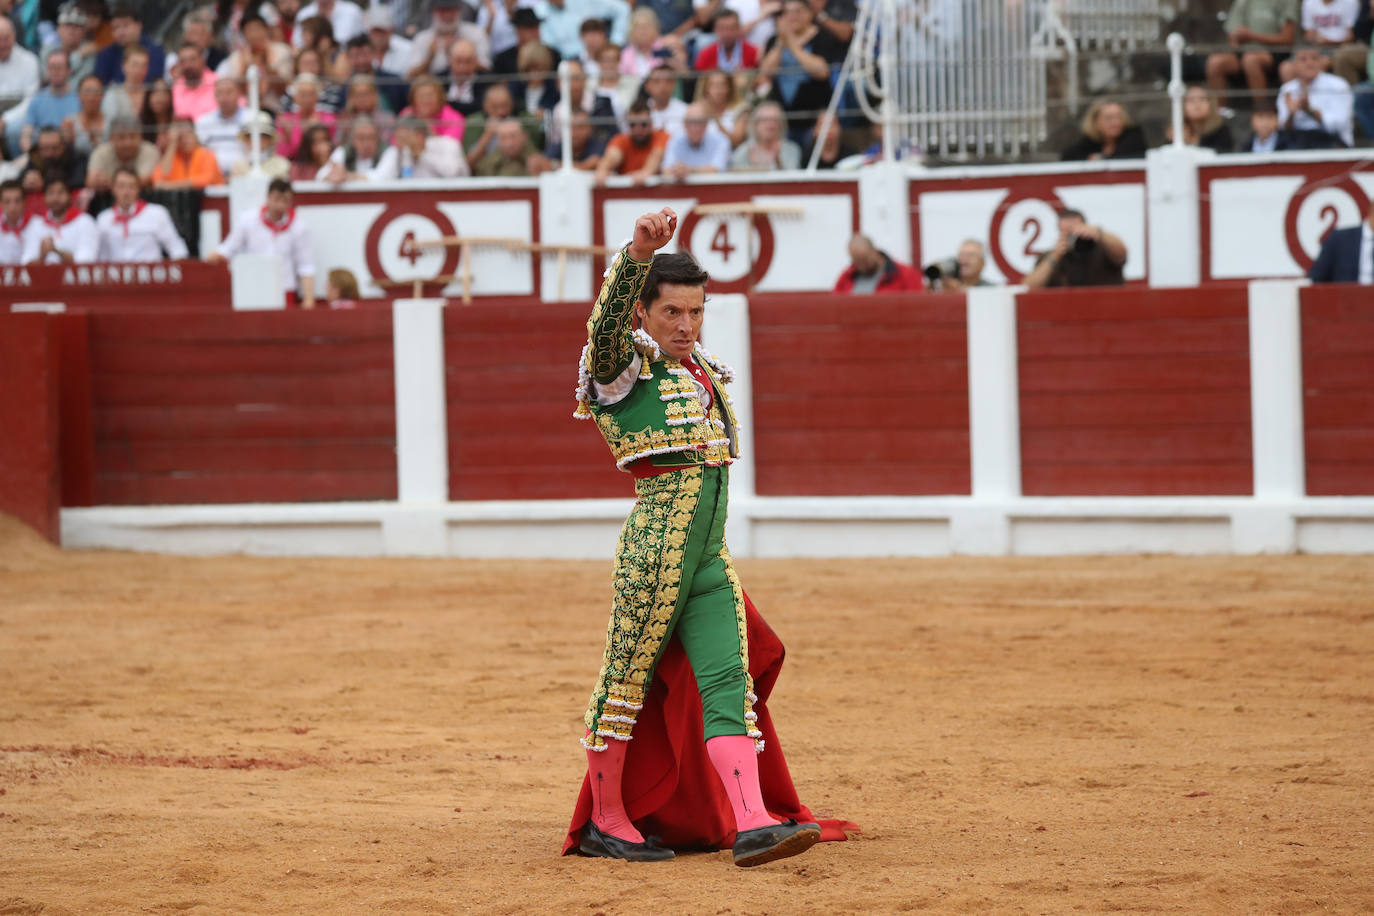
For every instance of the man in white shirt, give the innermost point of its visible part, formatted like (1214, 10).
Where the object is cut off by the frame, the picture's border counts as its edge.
(390, 52)
(15, 222)
(18, 66)
(218, 130)
(63, 235)
(415, 154)
(666, 110)
(276, 230)
(429, 52)
(134, 230)
(345, 16)
(354, 159)
(1329, 22)
(1316, 109)
(494, 16)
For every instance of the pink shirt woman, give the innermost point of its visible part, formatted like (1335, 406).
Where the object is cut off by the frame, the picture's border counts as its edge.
(291, 124)
(427, 102)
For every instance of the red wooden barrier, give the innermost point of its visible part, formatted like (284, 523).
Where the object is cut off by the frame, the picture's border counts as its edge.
(242, 407)
(29, 387)
(1134, 392)
(511, 374)
(119, 287)
(860, 395)
(1338, 389)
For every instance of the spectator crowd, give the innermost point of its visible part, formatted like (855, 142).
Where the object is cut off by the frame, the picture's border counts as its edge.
(99, 115)
(1302, 68)
(413, 88)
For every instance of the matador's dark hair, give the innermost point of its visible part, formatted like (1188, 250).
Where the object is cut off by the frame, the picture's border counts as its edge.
(679, 267)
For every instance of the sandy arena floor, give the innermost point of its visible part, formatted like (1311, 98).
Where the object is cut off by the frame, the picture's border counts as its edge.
(377, 736)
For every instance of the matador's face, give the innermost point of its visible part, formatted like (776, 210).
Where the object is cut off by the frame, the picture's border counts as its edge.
(674, 319)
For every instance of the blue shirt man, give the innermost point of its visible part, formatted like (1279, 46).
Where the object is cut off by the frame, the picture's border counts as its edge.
(696, 148)
(128, 31)
(50, 104)
(560, 25)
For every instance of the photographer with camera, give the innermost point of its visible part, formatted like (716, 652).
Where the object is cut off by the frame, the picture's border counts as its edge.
(959, 273)
(1085, 255)
(873, 271)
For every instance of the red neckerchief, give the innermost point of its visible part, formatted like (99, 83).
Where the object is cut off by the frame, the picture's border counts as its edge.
(278, 228)
(700, 375)
(124, 219)
(71, 214)
(17, 230)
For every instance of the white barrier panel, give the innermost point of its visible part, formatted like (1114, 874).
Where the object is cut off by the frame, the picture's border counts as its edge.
(799, 242)
(1186, 218)
(780, 527)
(1266, 216)
(255, 282)
(1012, 211)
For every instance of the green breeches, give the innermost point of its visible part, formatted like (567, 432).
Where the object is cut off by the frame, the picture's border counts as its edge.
(673, 575)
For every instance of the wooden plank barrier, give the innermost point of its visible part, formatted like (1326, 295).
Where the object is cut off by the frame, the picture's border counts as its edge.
(860, 395)
(1134, 392)
(511, 373)
(168, 285)
(242, 407)
(30, 483)
(1338, 389)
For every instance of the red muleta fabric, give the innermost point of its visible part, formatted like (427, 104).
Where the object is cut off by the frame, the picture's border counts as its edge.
(671, 790)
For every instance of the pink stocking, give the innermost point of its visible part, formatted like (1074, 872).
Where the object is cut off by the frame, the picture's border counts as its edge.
(605, 769)
(738, 767)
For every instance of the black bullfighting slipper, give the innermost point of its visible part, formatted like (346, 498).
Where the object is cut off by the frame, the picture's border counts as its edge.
(603, 845)
(768, 844)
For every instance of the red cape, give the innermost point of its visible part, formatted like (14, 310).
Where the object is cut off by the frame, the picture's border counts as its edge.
(670, 788)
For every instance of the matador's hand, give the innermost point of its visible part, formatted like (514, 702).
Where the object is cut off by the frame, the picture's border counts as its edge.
(652, 232)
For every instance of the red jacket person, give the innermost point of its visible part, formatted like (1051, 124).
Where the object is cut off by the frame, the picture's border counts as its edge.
(872, 271)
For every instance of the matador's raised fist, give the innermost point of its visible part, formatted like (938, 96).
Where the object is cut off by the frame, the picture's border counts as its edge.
(652, 232)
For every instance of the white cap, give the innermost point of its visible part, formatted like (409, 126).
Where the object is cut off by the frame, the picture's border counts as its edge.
(378, 16)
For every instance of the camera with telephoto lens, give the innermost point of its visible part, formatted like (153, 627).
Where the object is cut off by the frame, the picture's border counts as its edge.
(938, 271)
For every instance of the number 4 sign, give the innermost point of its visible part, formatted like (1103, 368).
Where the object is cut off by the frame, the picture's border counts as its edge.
(732, 242)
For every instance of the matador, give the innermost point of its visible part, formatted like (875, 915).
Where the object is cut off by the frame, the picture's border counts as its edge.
(659, 400)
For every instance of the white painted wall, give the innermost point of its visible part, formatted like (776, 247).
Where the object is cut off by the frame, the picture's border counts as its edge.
(1172, 215)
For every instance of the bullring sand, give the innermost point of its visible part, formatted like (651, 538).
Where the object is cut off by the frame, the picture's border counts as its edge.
(269, 736)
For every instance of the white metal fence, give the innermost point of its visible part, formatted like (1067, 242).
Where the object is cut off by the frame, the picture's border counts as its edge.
(968, 77)
(1111, 25)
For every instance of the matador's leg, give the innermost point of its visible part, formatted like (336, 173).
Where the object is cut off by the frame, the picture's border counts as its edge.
(660, 548)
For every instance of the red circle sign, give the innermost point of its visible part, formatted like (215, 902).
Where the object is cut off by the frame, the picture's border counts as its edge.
(1034, 235)
(723, 245)
(389, 246)
(1329, 215)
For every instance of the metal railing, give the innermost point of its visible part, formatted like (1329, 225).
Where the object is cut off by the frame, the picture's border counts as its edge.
(948, 76)
(1111, 25)
(968, 77)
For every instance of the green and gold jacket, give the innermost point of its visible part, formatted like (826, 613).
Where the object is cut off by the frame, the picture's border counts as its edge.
(662, 416)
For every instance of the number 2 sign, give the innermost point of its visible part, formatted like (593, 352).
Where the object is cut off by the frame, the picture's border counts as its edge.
(1023, 228)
